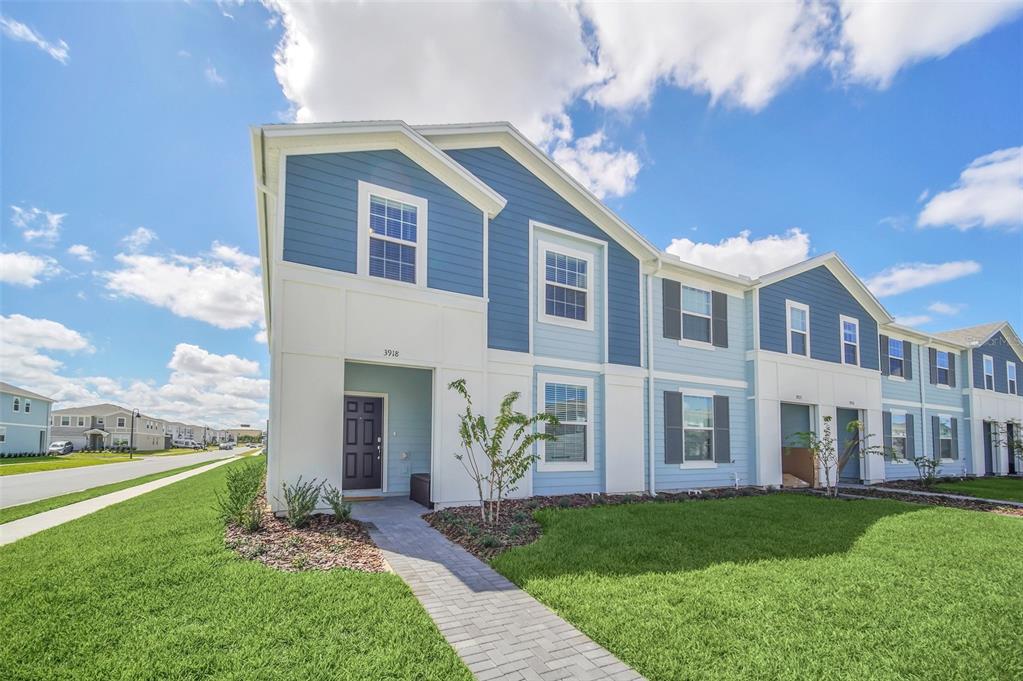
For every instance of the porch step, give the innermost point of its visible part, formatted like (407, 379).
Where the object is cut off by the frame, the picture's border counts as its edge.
(791, 481)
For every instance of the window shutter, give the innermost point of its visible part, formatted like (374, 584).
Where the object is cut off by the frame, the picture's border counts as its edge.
(672, 427)
(935, 437)
(907, 360)
(719, 319)
(952, 369)
(671, 307)
(886, 426)
(955, 438)
(933, 355)
(910, 437)
(722, 436)
(885, 364)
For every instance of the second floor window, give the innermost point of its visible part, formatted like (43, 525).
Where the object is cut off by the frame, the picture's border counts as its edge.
(1010, 372)
(121, 421)
(65, 420)
(941, 361)
(393, 232)
(850, 341)
(17, 404)
(81, 421)
(989, 372)
(896, 360)
(696, 314)
(566, 286)
(28, 406)
(799, 328)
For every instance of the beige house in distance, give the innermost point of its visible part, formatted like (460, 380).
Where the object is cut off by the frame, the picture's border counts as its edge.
(106, 425)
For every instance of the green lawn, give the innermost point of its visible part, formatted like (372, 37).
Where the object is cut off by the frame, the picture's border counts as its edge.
(34, 464)
(146, 590)
(1008, 489)
(31, 508)
(786, 587)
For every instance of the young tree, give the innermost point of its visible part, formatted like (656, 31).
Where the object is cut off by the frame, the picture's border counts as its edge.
(824, 451)
(495, 468)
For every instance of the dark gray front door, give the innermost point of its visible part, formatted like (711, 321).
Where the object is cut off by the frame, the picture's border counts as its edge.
(1010, 434)
(988, 454)
(363, 450)
(851, 470)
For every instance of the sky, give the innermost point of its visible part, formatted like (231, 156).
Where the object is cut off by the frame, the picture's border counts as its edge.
(743, 137)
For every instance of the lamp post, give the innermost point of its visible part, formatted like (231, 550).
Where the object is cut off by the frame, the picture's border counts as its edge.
(131, 440)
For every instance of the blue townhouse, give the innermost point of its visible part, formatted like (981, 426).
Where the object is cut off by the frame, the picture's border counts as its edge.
(24, 421)
(397, 259)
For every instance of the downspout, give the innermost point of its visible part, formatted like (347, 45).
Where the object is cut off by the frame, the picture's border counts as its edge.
(651, 455)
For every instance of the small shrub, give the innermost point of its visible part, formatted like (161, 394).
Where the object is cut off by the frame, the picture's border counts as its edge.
(239, 504)
(489, 541)
(342, 509)
(520, 517)
(565, 502)
(300, 500)
(516, 530)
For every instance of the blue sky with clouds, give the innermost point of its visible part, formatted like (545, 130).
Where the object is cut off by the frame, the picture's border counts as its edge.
(743, 138)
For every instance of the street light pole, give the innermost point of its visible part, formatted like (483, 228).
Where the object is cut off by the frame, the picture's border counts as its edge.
(131, 441)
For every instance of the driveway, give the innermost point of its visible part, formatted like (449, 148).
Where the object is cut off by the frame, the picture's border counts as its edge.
(26, 487)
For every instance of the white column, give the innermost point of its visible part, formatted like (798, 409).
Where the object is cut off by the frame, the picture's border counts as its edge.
(873, 464)
(769, 443)
(623, 433)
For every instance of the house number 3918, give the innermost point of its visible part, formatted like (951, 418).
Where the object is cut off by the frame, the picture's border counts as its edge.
(390, 352)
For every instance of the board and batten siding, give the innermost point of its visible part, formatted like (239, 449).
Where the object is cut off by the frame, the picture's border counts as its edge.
(672, 476)
(827, 299)
(548, 483)
(529, 198)
(409, 416)
(1001, 352)
(565, 342)
(702, 359)
(321, 215)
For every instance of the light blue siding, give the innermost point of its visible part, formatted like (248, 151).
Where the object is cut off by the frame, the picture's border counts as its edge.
(25, 433)
(409, 416)
(924, 445)
(547, 483)
(531, 199)
(828, 299)
(709, 361)
(1001, 352)
(321, 213)
(673, 476)
(556, 340)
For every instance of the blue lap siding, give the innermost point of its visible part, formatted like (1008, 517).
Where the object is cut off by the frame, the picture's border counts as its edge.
(321, 215)
(828, 299)
(1000, 352)
(529, 198)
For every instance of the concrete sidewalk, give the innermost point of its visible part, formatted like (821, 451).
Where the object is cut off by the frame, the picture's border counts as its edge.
(921, 493)
(18, 529)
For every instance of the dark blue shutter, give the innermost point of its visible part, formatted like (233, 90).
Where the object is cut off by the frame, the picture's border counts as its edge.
(671, 308)
(722, 437)
(952, 369)
(933, 358)
(907, 360)
(936, 438)
(672, 427)
(910, 437)
(955, 438)
(719, 319)
(885, 364)
(886, 421)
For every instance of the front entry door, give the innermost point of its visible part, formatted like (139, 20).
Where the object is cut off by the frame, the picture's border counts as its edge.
(989, 468)
(363, 451)
(851, 470)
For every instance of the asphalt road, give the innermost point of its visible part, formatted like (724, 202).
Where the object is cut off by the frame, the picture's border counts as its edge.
(26, 487)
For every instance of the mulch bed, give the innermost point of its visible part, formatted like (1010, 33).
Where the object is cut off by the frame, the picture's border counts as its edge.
(963, 504)
(517, 527)
(916, 486)
(324, 544)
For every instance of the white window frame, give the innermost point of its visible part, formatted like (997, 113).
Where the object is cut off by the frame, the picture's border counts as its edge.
(707, 344)
(902, 349)
(948, 368)
(544, 466)
(905, 437)
(697, 464)
(951, 446)
(16, 404)
(985, 361)
(62, 419)
(27, 405)
(122, 422)
(542, 248)
(1011, 380)
(842, 320)
(789, 306)
(362, 261)
(81, 421)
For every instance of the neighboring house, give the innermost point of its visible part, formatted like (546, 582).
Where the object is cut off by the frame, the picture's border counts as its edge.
(106, 425)
(24, 421)
(397, 259)
(244, 431)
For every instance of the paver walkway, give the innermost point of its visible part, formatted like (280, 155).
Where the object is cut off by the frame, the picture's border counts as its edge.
(23, 527)
(498, 630)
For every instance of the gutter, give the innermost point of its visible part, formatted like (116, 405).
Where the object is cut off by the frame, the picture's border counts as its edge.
(651, 454)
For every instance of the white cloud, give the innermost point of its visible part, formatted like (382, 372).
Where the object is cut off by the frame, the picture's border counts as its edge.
(82, 252)
(212, 77)
(203, 387)
(880, 38)
(139, 239)
(742, 256)
(989, 193)
(260, 337)
(605, 172)
(184, 54)
(942, 308)
(913, 319)
(910, 276)
(742, 53)
(222, 288)
(15, 30)
(25, 269)
(36, 223)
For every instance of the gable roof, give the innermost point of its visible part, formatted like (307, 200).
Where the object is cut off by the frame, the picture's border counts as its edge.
(21, 392)
(842, 272)
(975, 336)
(506, 136)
